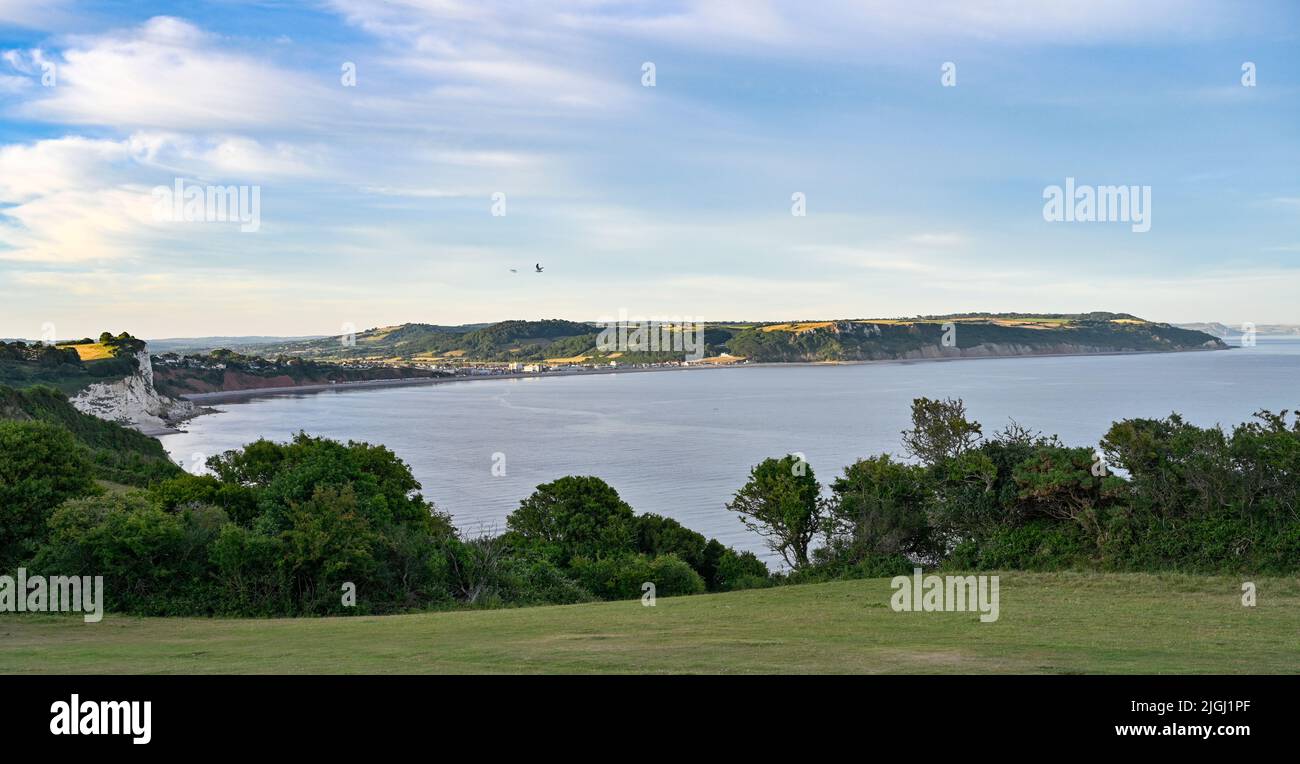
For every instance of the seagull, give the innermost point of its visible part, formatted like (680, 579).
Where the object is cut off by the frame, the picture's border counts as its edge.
(538, 266)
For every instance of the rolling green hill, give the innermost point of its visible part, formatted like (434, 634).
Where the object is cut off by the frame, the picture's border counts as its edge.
(772, 342)
(1050, 623)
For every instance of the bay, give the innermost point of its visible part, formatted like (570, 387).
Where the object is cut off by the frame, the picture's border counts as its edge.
(679, 443)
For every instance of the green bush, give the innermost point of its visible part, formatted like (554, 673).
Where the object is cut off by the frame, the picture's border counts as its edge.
(574, 516)
(878, 508)
(837, 566)
(622, 576)
(529, 579)
(41, 465)
(720, 566)
(248, 572)
(237, 501)
(153, 562)
(1213, 543)
(1040, 545)
(739, 570)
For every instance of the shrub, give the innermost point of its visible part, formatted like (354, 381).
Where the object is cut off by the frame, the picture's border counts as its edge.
(1040, 545)
(237, 501)
(879, 509)
(41, 466)
(622, 576)
(248, 572)
(328, 542)
(530, 579)
(739, 570)
(153, 562)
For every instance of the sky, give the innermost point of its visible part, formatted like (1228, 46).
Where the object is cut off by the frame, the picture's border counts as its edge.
(411, 161)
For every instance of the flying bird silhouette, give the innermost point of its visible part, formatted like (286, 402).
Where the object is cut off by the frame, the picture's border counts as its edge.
(538, 266)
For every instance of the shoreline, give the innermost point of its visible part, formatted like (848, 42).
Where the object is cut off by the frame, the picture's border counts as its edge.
(229, 396)
(237, 396)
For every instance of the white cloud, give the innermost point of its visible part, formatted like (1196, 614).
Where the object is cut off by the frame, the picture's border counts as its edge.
(64, 206)
(509, 54)
(227, 156)
(707, 22)
(169, 74)
(72, 163)
(77, 199)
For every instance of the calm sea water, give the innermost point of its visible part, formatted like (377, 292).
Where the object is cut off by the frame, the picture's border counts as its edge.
(679, 443)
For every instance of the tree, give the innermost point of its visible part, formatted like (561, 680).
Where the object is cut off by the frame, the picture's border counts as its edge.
(327, 542)
(41, 465)
(878, 507)
(1176, 469)
(940, 430)
(286, 473)
(782, 503)
(575, 516)
(1060, 483)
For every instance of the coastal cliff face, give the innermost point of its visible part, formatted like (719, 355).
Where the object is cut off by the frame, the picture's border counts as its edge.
(133, 401)
(1000, 350)
(847, 341)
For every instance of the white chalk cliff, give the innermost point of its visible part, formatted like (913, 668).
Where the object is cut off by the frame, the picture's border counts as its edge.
(133, 401)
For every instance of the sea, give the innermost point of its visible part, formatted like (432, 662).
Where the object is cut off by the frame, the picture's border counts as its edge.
(681, 442)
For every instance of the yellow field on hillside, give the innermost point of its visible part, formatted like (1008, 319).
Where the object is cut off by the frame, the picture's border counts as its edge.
(1029, 322)
(798, 328)
(95, 352)
(379, 333)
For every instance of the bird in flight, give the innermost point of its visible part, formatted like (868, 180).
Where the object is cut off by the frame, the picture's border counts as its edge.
(538, 266)
(512, 270)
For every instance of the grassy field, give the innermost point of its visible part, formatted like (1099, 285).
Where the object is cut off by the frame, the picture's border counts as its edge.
(1050, 623)
(92, 352)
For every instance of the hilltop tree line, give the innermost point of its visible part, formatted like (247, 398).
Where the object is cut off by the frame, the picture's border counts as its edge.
(59, 365)
(281, 528)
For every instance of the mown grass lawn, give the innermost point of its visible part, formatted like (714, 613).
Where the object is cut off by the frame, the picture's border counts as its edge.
(1050, 623)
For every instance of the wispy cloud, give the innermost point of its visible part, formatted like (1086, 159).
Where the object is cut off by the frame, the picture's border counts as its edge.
(168, 73)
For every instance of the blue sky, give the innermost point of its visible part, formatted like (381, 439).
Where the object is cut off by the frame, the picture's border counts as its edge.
(672, 200)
